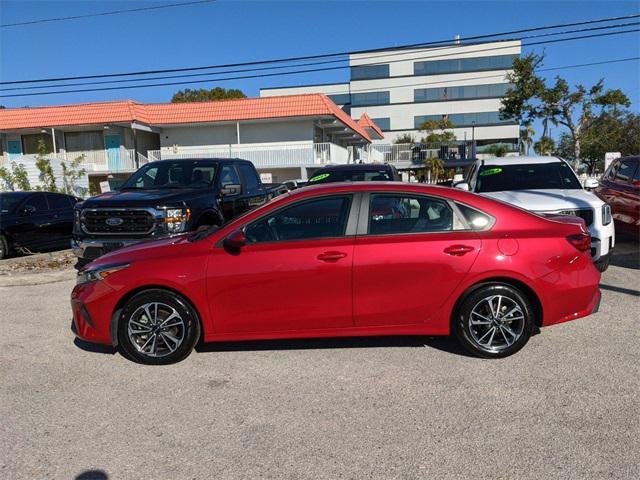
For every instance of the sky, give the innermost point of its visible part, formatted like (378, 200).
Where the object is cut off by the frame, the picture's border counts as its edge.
(228, 31)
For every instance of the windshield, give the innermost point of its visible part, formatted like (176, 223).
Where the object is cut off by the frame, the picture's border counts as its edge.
(9, 201)
(533, 176)
(351, 176)
(177, 174)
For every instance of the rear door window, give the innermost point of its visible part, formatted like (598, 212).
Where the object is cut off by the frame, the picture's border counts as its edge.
(399, 213)
(625, 171)
(252, 183)
(58, 202)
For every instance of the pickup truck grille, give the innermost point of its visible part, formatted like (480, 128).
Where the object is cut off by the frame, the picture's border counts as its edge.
(117, 222)
(585, 213)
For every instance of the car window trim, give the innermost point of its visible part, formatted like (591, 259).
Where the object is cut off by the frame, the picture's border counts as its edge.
(350, 227)
(363, 218)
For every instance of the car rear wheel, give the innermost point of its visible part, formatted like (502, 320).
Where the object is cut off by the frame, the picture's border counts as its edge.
(494, 321)
(157, 327)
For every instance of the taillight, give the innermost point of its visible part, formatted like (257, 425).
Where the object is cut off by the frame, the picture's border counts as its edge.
(581, 241)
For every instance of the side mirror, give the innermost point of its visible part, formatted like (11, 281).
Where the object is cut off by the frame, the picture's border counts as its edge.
(28, 210)
(462, 186)
(590, 183)
(230, 189)
(234, 242)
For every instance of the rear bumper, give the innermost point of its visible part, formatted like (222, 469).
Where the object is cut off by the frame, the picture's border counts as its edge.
(570, 293)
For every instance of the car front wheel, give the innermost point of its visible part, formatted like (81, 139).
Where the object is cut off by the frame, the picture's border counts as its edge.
(494, 321)
(157, 327)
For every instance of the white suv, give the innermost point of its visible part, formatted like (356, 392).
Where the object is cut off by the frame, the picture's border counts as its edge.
(546, 185)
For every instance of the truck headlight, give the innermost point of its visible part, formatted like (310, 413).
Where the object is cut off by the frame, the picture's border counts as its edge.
(100, 273)
(606, 214)
(176, 219)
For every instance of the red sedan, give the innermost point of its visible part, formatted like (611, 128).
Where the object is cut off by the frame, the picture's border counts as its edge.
(345, 260)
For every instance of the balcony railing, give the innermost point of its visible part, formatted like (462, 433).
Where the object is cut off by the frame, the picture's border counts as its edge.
(116, 160)
(263, 155)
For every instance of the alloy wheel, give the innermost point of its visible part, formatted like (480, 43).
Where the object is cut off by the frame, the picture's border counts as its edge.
(156, 329)
(496, 322)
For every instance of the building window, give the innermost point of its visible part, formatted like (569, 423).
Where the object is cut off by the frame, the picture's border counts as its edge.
(383, 123)
(30, 143)
(460, 93)
(340, 98)
(364, 72)
(434, 67)
(370, 98)
(83, 141)
(466, 119)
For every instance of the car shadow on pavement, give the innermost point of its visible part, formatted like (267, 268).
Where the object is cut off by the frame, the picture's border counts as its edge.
(92, 475)
(626, 253)
(94, 347)
(445, 344)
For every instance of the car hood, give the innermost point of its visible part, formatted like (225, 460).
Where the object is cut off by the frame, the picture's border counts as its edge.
(547, 200)
(142, 251)
(147, 198)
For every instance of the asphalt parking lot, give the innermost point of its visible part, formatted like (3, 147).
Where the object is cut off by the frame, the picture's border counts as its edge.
(564, 407)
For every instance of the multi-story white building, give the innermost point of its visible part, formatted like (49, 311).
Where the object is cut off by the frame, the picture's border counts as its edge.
(400, 89)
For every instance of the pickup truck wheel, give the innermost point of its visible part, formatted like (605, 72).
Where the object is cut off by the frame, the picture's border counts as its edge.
(4, 247)
(494, 321)
(157, 327)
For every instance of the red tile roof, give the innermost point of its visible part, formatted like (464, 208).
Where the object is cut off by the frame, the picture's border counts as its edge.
(366, 122)
(306, 105)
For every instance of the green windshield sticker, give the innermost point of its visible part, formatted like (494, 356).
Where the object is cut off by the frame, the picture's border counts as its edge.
(317, 178)
(491, 171)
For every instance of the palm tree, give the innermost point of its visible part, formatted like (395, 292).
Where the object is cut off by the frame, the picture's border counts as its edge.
(526, 138)
(436, 166)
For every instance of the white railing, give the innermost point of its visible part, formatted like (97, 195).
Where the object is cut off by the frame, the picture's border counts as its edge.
(122, 160)
(262, 155)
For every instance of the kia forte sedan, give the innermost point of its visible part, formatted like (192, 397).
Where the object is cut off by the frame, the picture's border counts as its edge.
(356, 259)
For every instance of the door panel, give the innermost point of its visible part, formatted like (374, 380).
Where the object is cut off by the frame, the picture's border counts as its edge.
(112, 144)
(14, 149)
(30, 230)
(281, 286)
(410, 257)
(403, 279)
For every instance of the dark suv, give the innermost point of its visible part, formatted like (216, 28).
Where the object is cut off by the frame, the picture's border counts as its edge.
(620, 188)
(166, 198)
(35, 221)
(357, 172)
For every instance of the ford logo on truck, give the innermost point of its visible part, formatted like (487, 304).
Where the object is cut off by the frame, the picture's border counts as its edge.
(114, 221)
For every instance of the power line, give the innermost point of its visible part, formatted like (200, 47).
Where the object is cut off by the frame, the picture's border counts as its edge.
(318, 56)
(241, 77)
(324, 62)
(103, 14)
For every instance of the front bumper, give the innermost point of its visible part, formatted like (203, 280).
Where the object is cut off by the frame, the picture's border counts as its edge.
(92, 248)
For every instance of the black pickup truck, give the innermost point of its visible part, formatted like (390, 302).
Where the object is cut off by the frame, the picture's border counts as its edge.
(166, 198)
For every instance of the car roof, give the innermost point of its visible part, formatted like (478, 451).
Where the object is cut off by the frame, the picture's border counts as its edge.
(203, 159)
(517, 160)
(355, 167)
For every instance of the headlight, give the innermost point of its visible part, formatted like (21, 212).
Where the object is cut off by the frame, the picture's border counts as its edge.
(96, 274)
(176, 219)
(76, 220)
(606, 214)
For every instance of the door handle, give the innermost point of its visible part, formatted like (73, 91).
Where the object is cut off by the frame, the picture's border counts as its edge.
(331, 256)
(458, 250)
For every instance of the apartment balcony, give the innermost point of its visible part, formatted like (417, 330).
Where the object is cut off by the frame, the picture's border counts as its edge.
(263, 155)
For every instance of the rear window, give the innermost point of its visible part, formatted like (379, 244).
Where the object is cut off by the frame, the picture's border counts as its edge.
(381, 174)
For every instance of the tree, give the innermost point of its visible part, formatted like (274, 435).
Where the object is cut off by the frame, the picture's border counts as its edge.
(43, 164)
(204, 95)
(405, 138)
(436, 131)
(574, 108)
(526, 139)
(436, 166)
(17, 178)
(545, 146)
(71, 174)
(497, 149)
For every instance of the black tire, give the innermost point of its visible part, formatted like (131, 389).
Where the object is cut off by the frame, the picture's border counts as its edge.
(493, 297)
(133, 315)
(4, 247)
(82, 262)
(602, 263)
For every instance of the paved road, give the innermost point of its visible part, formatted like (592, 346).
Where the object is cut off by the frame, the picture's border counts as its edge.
(566, 407)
